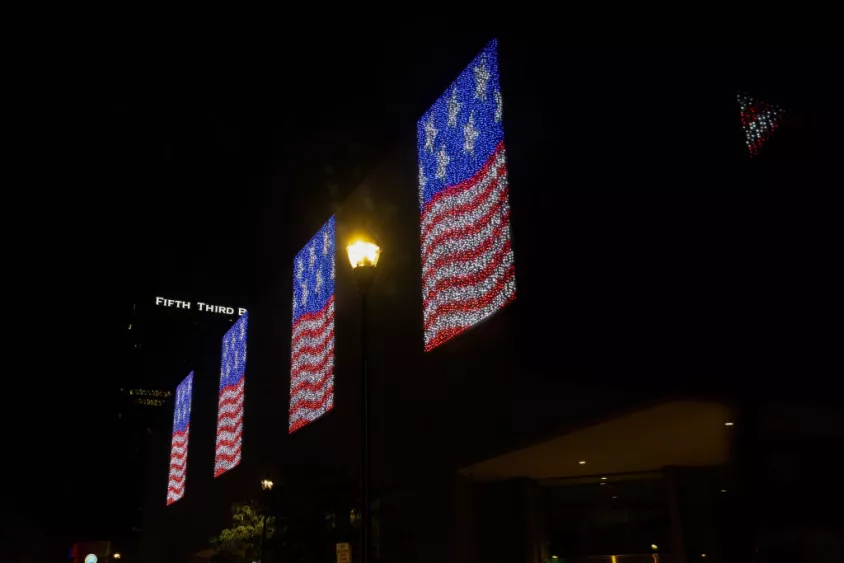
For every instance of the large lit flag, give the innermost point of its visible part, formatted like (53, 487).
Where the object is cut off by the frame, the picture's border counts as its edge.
(467, 259)
(179, 442)
(312, 345)
(230, 407)
(759, 120)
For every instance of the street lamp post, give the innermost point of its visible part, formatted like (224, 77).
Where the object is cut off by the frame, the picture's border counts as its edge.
(364, 256)
(266, 486)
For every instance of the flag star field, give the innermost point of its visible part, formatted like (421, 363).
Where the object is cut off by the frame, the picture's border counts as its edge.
(179, 441)
(312, 342)
(467, 257)
(230, 405)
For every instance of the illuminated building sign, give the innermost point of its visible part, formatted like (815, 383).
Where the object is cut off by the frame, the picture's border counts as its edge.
(149, 397)
(150, 393)
(150, 402)
(204, 307)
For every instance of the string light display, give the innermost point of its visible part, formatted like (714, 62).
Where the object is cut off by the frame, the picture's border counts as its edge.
(230, 402)
(312, 343)
(759, 120)
(467, 258)
(179, 441)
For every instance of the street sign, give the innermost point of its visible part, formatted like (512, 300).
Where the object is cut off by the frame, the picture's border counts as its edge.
(344, 553)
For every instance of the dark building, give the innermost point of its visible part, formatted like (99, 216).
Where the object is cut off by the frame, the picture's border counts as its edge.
(624, 407)
(162, 339)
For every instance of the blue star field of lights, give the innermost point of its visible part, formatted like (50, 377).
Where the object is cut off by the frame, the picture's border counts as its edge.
(233, 363)
(313, 272)
(444, 131)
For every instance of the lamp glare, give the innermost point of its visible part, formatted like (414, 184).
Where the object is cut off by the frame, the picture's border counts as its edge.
(363, 253)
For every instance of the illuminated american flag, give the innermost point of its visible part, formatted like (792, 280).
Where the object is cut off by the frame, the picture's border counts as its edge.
(312, 345)
(467, 258)
(759, 120)
(179, 442)
(230, 406)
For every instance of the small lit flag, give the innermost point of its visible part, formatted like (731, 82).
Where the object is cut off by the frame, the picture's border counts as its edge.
(230, 406)
(179, 441)
(312, 344)
(467, 259)
(759, 120)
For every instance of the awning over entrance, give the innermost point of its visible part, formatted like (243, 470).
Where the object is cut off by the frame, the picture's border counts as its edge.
(677, 433)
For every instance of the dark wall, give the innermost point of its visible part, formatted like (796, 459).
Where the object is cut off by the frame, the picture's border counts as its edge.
(653, 258)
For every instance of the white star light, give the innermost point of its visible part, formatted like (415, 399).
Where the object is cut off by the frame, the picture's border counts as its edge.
(318, 282)
(453, 108)
(236, 359)
(242, 331)
(430, 133)
(326, 243)
(442, 161)
(332, 269)
(482, 76)
(498, 108)
(311, 256)
(422, 181)
(300, 269)
(304, 292)
(294, 303)
(471, 134)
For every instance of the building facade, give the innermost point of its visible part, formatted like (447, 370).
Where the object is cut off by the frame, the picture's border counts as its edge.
(609, 411)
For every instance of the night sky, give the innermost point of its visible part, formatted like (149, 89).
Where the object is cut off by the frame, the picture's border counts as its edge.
(165, 156)
(169, 161)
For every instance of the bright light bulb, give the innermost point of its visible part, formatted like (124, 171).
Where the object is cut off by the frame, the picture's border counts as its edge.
(363, 253)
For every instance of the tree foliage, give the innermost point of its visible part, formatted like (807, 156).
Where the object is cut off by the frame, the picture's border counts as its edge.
(242, 542)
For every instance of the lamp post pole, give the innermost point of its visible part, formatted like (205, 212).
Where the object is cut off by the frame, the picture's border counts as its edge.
(266, 487)
(364, 257)
(364, 432)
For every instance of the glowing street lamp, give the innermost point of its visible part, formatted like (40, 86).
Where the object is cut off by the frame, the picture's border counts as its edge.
(363, 256)
(267, 485)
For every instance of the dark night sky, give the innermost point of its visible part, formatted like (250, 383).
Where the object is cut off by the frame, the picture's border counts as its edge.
(173, 153)
(166, 155)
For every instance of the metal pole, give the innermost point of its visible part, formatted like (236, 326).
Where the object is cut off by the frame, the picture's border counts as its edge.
(365, 529)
